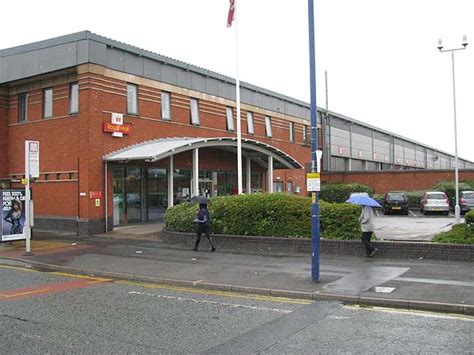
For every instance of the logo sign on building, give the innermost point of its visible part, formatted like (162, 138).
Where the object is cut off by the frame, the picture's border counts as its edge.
(13, 218)
(116, 126)
(313, 182)
(32, 150)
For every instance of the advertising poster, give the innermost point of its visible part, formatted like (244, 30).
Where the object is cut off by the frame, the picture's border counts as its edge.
(13, 215)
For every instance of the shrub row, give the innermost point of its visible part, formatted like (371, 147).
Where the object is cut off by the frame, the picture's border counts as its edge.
(449, 187)
(339, 193)
(279, 215)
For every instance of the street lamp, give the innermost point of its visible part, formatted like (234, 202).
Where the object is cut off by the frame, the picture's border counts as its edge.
(457, 209)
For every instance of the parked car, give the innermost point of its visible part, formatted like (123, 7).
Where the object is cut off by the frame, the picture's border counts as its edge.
(395, 202)
(466, 201)
(435, 201)
(354, 194)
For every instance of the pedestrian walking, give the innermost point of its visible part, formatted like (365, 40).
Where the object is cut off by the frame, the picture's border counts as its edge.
(203, 222)
(366, 220)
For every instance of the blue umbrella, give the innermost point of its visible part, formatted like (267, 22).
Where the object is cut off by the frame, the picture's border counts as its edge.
(364, 201)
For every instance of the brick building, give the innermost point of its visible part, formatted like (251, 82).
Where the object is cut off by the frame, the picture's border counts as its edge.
(124, 133)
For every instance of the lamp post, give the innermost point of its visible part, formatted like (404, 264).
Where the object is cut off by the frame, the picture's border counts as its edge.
(457, 209)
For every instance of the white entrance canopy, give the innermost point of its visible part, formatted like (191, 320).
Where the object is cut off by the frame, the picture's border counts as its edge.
(163, 148)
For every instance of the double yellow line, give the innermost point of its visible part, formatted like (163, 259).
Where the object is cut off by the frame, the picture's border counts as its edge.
(228, 294)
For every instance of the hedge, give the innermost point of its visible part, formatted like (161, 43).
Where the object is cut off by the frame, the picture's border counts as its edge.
(279, 215)
(339, 193)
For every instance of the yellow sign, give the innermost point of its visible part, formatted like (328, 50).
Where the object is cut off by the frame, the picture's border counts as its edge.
(24, 181)
(313, 182)
(97, 202)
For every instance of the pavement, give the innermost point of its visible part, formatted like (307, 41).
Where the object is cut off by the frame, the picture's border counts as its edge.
(137, 254)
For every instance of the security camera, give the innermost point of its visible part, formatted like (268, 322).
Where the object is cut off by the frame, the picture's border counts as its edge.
(464, 41)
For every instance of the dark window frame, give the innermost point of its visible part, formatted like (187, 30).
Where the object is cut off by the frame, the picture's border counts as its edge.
(22, 107)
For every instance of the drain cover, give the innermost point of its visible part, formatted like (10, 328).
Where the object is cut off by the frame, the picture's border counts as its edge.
(384, 289)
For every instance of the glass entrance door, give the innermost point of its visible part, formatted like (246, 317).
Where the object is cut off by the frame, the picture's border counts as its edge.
(156, 194)
(133, 195)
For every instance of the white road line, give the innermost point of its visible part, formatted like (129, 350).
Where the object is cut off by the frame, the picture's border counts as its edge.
(412, 213)
(184, 299)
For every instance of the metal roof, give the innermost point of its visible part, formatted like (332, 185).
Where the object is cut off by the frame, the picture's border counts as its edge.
(163, 148)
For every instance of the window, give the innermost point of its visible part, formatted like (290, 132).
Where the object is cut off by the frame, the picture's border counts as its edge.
(292, 132)
(268, 126)
(305, 134)
(230, 119)
(74, 98)
(165, 105)
(132, 99)
(22, 107)
(250, 123)
(195, 112)
(47, 103)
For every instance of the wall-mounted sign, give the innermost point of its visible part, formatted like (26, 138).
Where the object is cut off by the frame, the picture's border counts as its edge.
(95, 194)
(116, 126)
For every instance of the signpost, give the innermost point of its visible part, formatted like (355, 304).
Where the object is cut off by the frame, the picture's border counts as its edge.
(31, 171)
(315, 157)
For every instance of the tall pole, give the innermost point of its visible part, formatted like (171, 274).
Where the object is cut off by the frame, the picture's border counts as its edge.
(457, 208)
(237, 96)
(315, 235)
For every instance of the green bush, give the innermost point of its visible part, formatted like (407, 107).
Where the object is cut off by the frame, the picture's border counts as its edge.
(459, 234)
(469, 218)
(339, 193)
(282, 215)
(414, 198)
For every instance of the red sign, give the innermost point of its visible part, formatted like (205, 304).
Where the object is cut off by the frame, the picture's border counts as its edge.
(109, 127)
(95, 194)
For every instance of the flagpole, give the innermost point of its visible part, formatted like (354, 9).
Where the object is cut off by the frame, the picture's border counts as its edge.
(237, 94)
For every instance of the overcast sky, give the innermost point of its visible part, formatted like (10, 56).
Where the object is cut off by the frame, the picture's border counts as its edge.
(383, 65)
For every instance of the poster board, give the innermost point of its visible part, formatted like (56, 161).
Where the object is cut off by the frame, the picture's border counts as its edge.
(13, 215)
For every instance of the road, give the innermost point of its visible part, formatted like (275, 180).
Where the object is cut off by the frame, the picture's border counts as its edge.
(58, 313)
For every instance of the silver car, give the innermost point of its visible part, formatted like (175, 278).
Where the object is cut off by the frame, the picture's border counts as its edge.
(435, 201)
(466, 201)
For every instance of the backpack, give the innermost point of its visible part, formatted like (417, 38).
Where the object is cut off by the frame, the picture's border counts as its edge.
(201, 216)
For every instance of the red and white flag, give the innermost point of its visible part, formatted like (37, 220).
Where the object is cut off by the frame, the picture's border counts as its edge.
(230, 16)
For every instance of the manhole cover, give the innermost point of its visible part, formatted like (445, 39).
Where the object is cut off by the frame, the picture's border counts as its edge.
(384, 289)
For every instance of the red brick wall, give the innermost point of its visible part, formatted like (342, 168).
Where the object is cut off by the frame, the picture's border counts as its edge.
(402, 180)
(4, 133)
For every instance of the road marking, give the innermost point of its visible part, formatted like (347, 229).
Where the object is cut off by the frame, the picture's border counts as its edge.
(412, 213)
(94, 280)
(20, 268)
(44, 289)
(412, 312)
(217, 293)
(233, 305)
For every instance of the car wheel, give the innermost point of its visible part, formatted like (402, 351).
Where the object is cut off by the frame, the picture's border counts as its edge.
(405, 213)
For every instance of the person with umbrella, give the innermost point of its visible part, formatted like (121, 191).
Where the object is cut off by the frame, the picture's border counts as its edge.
(366, 220)
(203, 221)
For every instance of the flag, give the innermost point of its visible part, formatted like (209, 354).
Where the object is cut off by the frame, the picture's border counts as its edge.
(230, 16)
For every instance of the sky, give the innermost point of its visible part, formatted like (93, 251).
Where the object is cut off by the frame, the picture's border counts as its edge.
(381, 56)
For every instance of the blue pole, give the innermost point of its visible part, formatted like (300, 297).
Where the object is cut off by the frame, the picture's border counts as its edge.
(315, 235)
